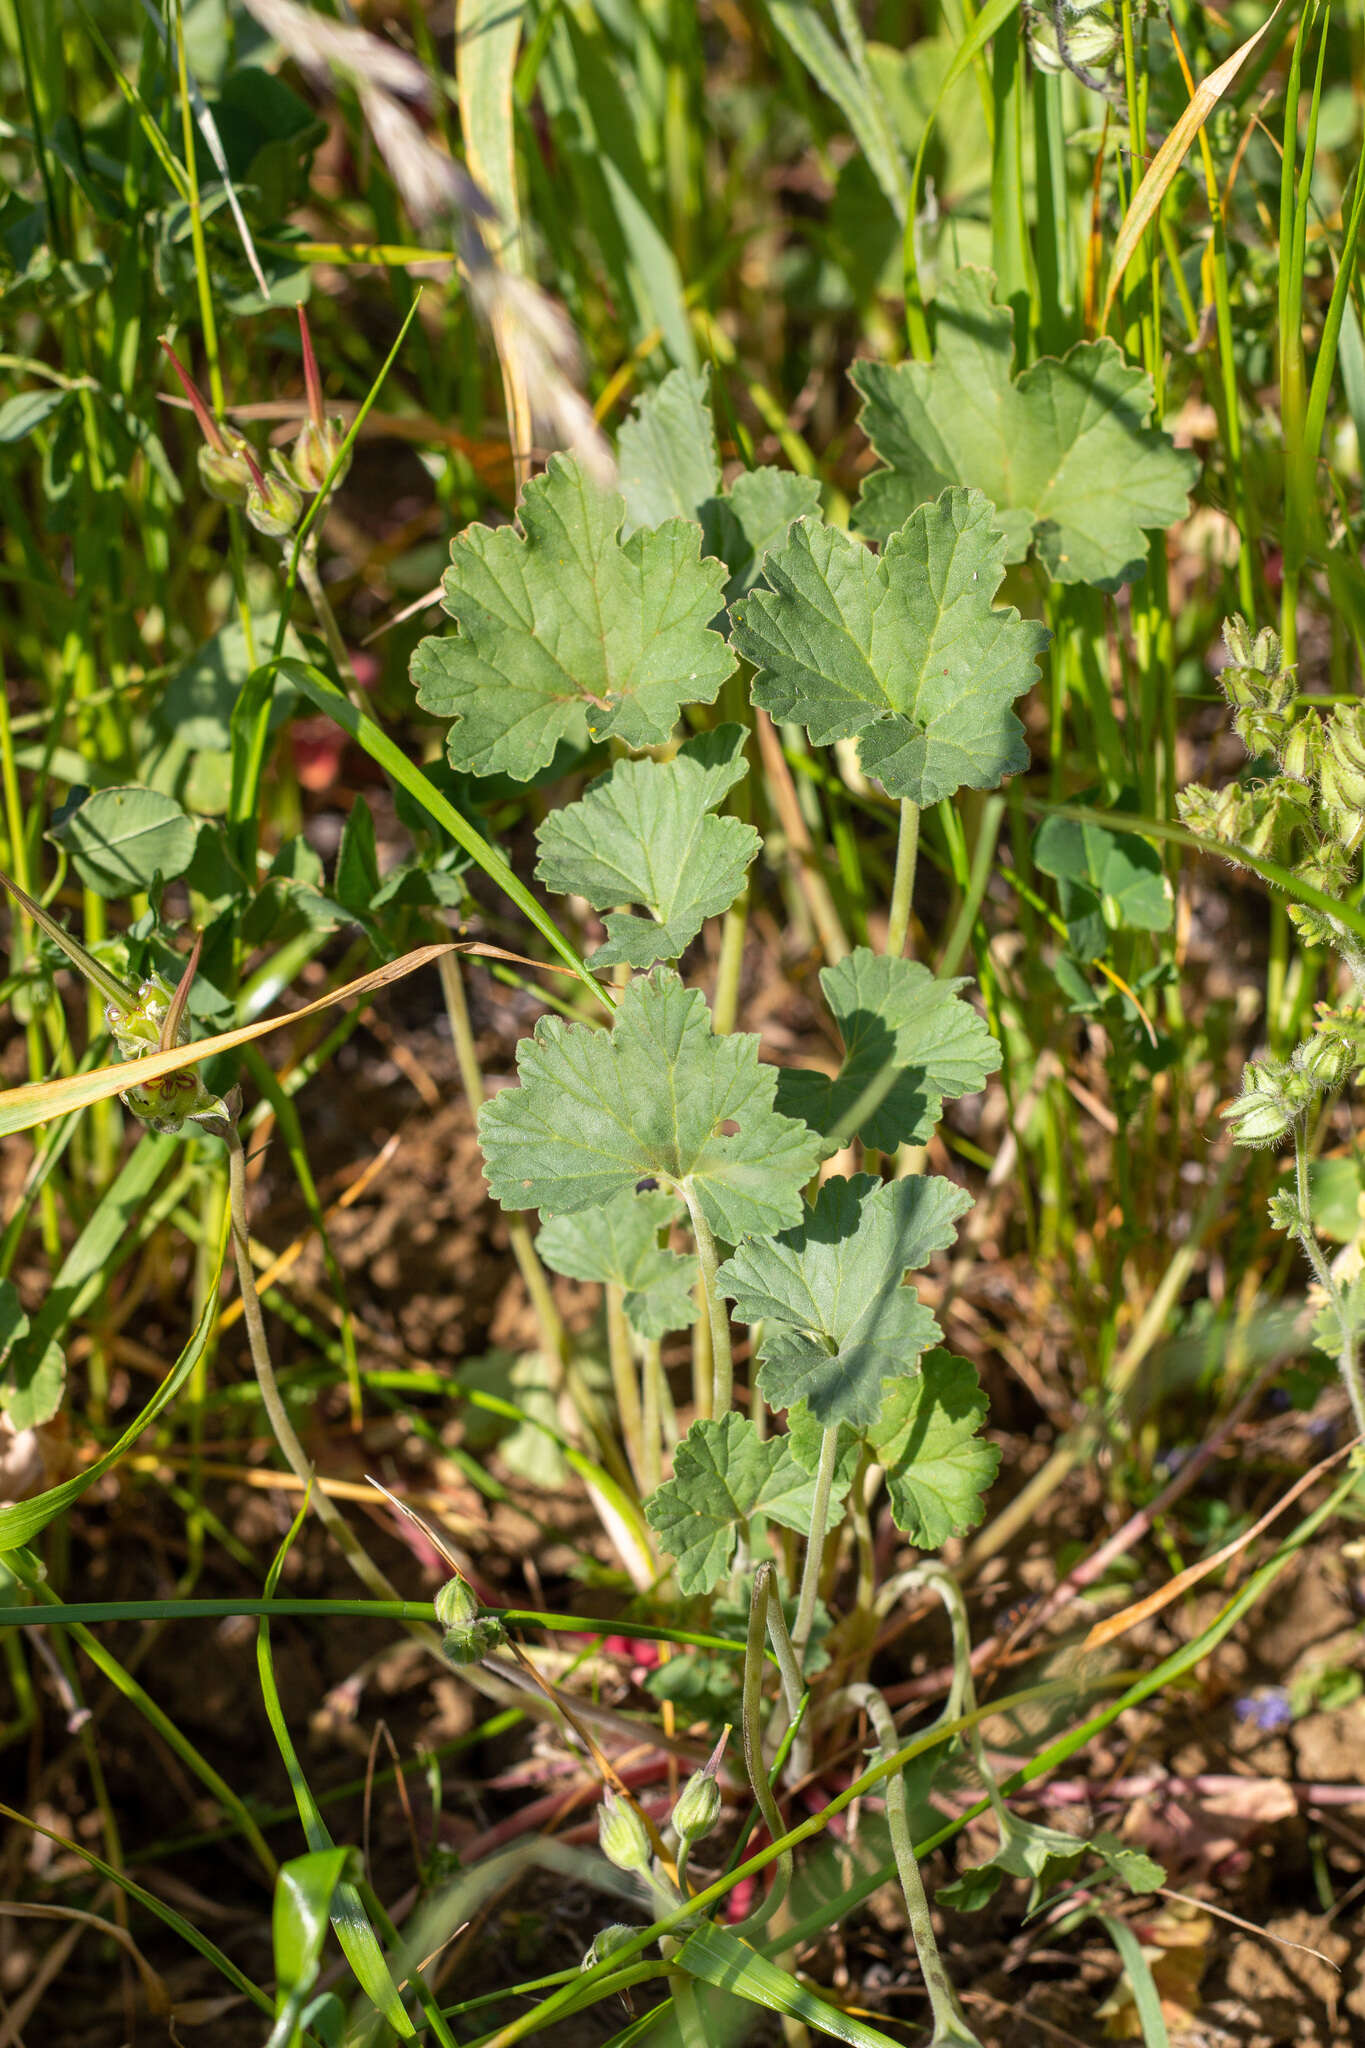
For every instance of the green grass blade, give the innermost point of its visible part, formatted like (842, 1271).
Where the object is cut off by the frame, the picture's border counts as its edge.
(167, 1915)
(1141, 1982)
(855, 96)
(359, 1942)
(717, 1957)
(395, 763)
(21, 1520)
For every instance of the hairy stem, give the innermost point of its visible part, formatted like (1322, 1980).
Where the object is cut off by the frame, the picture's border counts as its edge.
(359, 1559)
(722, 1389)
(815, 1543)
(950, 2028)
(311, 580)
(1348, 1360)
(732, 933)
(764, 1594)
(625, 1383)
(903, 883)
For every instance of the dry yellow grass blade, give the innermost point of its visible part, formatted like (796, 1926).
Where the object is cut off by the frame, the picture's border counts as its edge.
(1167, 160)
(1142, 1610)
(40, 1101)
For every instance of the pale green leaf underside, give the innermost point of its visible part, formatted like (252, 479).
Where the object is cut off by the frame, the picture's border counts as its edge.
(618, 1245)
(1065, 453)
(597, 1112)
(904, 649)
(568, 632)
(837, 1321)
(723, 1474)
(646, 833)
(937, 1468)
(909, 1041)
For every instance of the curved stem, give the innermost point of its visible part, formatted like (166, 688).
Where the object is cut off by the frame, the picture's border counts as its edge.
(764, 1594)
(359, 1559)
(950, 2028)
(815, 1542)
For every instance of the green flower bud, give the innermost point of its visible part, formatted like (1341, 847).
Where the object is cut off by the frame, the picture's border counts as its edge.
(1212, 813)
(273, 506)
(1237, 640)
(1313, 926)
(1285, 1213)
(622, 1835)
(1265, 1110)
(698, 1807)
(1343, 761)
(137, 1027)
(224, 471)
(472, 1642)
(1329, 868)
(1326, 1059)
(314, 452)
(1301, 754)
(1260, 729)
(606, 1942)
(456, 1604)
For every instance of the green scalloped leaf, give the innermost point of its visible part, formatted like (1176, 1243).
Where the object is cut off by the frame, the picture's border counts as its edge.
(837, 1321)
(568, 633)
(647, 833)
(1066, 452)
(904, 649)
(618, 1245)
(937, 1467)
(598, 1112)
(667, 461)
(724, 1473)
(910, 1041)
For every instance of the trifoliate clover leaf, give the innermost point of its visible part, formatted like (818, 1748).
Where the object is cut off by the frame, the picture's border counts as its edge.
(1026, 1850)
(618, 1244)
(1105, 880)
(904, 649)
(647, 833)
(570, 632)
(836, 1319)
(668, 467)
(1065, 452)
(937, 1467)
(723, 1474)
(909, 1041)
(667, 461)
(597, 1112)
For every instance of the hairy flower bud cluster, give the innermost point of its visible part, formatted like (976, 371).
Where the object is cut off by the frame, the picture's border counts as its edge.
(1258, 687)
(1275, 1094)
(1083, 37)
